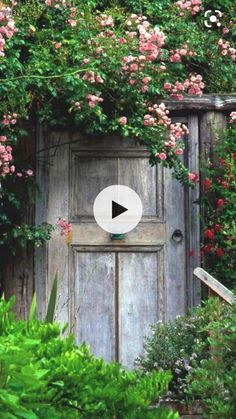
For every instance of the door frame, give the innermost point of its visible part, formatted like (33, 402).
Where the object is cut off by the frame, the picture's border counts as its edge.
(47, 209)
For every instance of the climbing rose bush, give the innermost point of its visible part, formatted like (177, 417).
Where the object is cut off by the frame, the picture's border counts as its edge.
(103, 69)
(219, 199)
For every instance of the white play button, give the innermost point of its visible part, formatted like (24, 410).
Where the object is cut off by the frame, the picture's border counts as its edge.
(117, 209)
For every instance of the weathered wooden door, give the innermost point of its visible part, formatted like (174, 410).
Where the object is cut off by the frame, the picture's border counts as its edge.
(112, 290)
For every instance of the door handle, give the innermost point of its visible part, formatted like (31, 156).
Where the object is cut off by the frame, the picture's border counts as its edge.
(177, 236)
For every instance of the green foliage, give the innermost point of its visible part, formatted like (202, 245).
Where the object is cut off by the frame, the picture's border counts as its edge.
(177, 346)
(52, 301)
(46, 376)
(214, 380)
(219, 179)
(183, 346)
(41, 82)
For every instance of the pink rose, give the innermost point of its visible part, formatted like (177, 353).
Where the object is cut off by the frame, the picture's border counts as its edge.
(123, 120)
(179, 151)
(162, 156)
(167, 86)
(29, 172)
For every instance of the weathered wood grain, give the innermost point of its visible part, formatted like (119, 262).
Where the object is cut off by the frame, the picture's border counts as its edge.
(207, 102)
(138, 302)
(55, 200)
(95, 302)
(213, 284)
(88, 233)
(175, 267)
(193, 214)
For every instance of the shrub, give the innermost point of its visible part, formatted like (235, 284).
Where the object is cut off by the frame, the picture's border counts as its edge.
(183, 346)
(214, 381)
(46, 376)
(176, 346)
(219, 204)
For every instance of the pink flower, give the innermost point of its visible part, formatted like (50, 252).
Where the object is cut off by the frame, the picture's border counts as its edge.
(179, 151)
(122, 41)
(193, 176)
(57, 45)
(66, 227)
(85, 61)
(123, 120)
(72, 22)
(161, 156)
(167, 86)
(133, 67)
(146, 80)
(12, 169)
(225, 31)
(29, 172)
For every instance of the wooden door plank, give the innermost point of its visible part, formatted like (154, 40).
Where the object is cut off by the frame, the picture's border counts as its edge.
(144, 233)
(175, 251)
(138, 302)
(94, 302)
(193, 214)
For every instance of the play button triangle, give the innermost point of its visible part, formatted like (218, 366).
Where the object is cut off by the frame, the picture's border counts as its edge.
(117, 209)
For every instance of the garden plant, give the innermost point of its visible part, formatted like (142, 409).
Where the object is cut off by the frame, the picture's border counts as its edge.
(199, 350)
(102, 67)
(46, 376)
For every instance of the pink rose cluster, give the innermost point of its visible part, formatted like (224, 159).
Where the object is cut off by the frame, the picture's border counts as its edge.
(176, 55)
(26, 173)
(107, 34)
(226, 49)
(72, 18)
(192, 86)
(9, 119)
(77, 105)
(178, 130)
(66, 228)
(7, 28)
(105, 21)
(134, 65)
(93, 100)
(5, 157)
(91, 77)
(173, 146)
(192, 6)
(158, 116)
(233, 118)
(150, 41)
(56, 4)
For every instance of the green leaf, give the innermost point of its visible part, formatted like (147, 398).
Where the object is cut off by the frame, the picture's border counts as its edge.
(33, 314)
(52, 302)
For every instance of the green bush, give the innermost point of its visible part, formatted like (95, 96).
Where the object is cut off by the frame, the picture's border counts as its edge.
(177, 346)
(46, 376)
(184, 347)
(214, 381)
